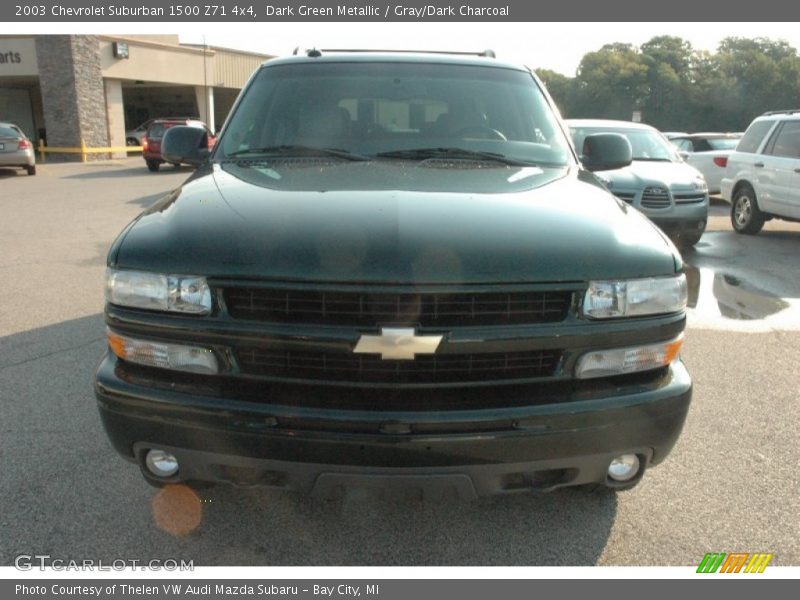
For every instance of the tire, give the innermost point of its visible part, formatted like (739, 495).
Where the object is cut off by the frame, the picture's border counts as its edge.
(132, 142)
(153, 165)
(31, 170)
(746, 217)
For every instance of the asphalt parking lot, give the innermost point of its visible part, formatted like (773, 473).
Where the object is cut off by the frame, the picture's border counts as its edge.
(731, 484)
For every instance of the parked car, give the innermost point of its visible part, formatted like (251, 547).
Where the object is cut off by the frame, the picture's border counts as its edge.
(762, 179)
(392, 271)
(671, 193)
(133, 137)
(708, 153)
(151, 142)
(16, 150)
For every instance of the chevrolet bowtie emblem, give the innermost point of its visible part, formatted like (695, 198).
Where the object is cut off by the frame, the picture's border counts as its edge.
(398, 343)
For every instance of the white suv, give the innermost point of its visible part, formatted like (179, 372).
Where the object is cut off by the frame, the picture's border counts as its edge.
(762, 179)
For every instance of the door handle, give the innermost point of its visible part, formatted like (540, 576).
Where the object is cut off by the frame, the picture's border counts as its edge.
(797, 170)
(759, 165)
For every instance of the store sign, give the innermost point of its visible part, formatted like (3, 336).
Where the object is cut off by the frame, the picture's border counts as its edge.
(18, 57)
(10, 57)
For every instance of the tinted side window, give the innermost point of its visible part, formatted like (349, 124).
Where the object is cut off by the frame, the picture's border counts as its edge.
(754, 136)
(701, 146)
(787, 142)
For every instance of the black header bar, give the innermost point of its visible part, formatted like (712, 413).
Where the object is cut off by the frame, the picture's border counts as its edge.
(212, 11)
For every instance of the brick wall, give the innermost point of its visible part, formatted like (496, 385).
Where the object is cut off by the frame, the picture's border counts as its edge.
(73, 97)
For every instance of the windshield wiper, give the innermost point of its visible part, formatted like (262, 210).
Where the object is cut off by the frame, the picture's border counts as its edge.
(286, 150)
(424, 153)
(651, 159)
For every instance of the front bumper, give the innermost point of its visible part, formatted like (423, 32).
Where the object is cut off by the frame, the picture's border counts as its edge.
(567, 440)
(681, 219)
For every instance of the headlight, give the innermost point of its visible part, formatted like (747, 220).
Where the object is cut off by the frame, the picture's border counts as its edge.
(188, 294)
(635, 297)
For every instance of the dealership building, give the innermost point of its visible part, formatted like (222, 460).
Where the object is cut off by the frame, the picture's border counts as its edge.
(93, 88)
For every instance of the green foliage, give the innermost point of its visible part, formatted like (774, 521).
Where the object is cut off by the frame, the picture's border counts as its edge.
(679, 88)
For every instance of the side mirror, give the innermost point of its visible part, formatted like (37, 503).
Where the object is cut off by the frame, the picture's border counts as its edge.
(182, 144)
(606, 151)
(683, 154)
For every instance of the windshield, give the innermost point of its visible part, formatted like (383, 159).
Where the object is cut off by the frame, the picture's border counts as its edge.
(9, 132)
(646, 144)
(723, 143)
(157, 130)
(384, 110)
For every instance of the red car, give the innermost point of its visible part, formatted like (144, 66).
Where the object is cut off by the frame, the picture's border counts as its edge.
(151, 142)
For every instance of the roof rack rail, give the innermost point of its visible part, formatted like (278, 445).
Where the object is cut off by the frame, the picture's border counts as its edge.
(788, 111)
(487, 53)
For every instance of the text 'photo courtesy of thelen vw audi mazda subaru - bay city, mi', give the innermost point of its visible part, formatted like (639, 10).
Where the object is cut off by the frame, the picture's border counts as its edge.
(394, 270)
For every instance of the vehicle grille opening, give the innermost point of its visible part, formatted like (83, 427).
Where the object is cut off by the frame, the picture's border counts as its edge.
(444, 368)
(626, 196)
(426, 309)
(691, 198)
(655, 197)
(247, 476)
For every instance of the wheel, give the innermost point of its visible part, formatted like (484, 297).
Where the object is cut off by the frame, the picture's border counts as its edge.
(31, 170)
(153, 165)
(484, 130)
(745, 216)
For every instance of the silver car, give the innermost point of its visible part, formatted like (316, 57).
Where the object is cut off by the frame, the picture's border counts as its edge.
(708, 153)
(658, 182)
(16, 150)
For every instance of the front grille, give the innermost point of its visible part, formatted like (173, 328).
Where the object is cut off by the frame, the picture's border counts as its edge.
(690, 198)
(357, 368)
(655, 197)
(626, 196)
(426, 309)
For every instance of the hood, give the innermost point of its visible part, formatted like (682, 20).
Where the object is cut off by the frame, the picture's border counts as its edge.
(641, 173)
(394, 222)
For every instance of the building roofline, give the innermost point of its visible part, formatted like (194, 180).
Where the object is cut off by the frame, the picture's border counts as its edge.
(158, 45)
(231, 50)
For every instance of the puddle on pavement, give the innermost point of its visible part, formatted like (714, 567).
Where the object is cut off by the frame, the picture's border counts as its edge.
(719, 299)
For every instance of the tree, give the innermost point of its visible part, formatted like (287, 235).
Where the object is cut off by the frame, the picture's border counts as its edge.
(561, 88)
(680, 88)
(611, 83)
(669, 78)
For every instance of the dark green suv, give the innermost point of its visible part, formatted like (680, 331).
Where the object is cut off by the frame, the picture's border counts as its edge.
(392, 271)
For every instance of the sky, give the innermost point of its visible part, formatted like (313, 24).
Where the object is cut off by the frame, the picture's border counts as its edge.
(556, 46)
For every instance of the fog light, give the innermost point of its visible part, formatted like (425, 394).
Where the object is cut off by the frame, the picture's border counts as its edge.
(160, 463)
(624, 467)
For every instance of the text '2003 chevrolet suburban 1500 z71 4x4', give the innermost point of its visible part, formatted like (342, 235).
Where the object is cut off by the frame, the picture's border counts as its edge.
(393, 270)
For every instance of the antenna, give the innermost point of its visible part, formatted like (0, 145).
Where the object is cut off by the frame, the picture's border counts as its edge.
(205, 77)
